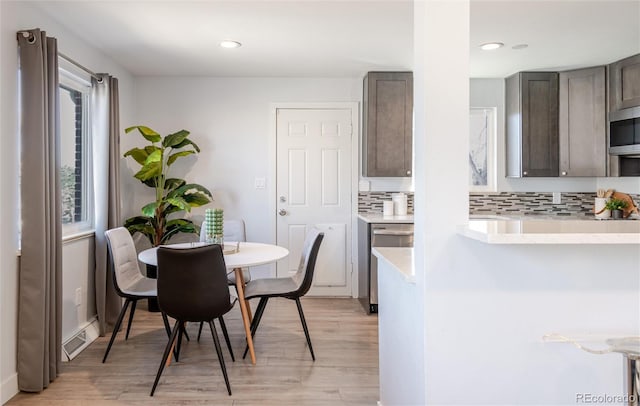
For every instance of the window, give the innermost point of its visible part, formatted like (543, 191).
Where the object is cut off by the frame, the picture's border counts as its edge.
(75, 150)
(482, 141)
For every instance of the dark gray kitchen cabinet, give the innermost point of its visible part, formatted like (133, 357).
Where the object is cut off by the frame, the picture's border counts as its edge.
(624, 83)
(387, 124)
(583, 122)
(532, 124)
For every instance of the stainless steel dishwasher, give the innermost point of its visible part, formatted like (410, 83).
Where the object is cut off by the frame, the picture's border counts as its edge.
(385, 235)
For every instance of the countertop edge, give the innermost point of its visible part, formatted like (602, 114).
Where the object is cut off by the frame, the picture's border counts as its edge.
(379, 218)
(550, 238)
(398, 258)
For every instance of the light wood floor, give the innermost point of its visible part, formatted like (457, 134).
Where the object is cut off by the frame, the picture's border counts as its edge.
(345, 372)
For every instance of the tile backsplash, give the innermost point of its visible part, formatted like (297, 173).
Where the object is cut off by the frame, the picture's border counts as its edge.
(371, 202)
(503, 203)
(534, 203)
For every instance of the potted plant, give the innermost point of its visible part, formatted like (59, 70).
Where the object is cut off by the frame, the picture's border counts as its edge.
(172, 195)
(616, 205)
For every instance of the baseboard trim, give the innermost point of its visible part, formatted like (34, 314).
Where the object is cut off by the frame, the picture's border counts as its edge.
(9, 388)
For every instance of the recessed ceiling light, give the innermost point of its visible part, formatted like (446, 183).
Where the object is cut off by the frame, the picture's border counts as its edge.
(230, 44)
(520, 46)
(490, 46)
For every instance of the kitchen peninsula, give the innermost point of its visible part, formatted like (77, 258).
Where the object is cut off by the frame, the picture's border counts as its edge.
(534, 231)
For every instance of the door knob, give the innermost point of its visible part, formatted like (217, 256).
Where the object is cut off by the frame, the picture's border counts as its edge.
(282, 212)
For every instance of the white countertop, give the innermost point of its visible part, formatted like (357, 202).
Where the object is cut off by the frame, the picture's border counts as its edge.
(379, 218)
(552, 231)
(399, 259)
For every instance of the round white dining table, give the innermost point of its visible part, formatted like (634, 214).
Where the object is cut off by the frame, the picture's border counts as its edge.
(248, 254)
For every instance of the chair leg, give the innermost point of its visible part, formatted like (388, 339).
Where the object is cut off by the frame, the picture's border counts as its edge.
(200, 330)
(304, 326)
(184, 331)
(116, 328)
(179, 344)
(131, 312)
(256, 321)
(226, 337)
(165, 320)
(165, 356)
(216, 342)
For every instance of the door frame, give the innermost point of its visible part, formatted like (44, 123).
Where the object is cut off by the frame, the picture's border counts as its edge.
(352, 259)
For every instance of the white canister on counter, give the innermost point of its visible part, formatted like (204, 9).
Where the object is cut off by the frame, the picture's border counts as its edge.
(399, 204)
(599, 210)
(387, 207)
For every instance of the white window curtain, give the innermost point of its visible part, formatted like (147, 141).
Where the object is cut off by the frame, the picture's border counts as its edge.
(106, 160)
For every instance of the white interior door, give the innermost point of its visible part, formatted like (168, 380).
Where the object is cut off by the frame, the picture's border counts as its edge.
(313, 189)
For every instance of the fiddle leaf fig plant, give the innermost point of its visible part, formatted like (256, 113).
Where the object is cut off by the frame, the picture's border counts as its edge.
(172, 195)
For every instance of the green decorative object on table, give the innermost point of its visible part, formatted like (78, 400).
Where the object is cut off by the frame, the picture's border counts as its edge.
(213, 220)
(218, 231)
(172, 195)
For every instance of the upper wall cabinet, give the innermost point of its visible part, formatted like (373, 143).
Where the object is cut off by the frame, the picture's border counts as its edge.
(624, 83)
(583, 122)
(532, 124)
(387, 124)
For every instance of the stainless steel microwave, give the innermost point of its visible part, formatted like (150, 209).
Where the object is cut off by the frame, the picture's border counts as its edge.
(624, 132)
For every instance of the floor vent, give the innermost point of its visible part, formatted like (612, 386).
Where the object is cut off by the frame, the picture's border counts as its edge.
(74, 344)
(81, 340)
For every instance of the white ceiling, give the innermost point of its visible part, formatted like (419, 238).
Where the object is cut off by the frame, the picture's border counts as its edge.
(561, 34)
(337, 38)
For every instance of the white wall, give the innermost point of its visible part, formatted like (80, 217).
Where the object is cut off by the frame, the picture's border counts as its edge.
(491, 93)
(15, 16)
(77, 258)
(486, 307)
(229, 118)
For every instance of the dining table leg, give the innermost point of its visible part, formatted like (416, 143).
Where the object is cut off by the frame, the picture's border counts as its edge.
(244, 309)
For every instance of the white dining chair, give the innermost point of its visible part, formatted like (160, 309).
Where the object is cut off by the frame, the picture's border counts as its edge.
(233, 230)
(293, 287)
(129, 282)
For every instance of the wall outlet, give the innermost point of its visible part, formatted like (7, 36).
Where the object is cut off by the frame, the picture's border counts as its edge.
(557, 197)
(78, 296)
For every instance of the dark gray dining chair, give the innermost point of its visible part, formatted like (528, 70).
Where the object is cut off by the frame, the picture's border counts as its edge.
(129, 282)
(192, 287)
(292, 288)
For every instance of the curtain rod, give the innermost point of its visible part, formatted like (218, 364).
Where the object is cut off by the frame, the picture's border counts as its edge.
(28, 34)
(71, 61)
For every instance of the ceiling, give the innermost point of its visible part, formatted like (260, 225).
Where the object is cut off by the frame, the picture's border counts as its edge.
(337, 38)
(561, 34)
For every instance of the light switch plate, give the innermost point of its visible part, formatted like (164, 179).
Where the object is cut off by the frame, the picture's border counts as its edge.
(557, 197)
(260, 183)
(78, 296)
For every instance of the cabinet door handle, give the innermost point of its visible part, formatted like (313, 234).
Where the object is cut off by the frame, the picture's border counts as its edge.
(408, 172)
(525, 173)
(564, 173)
